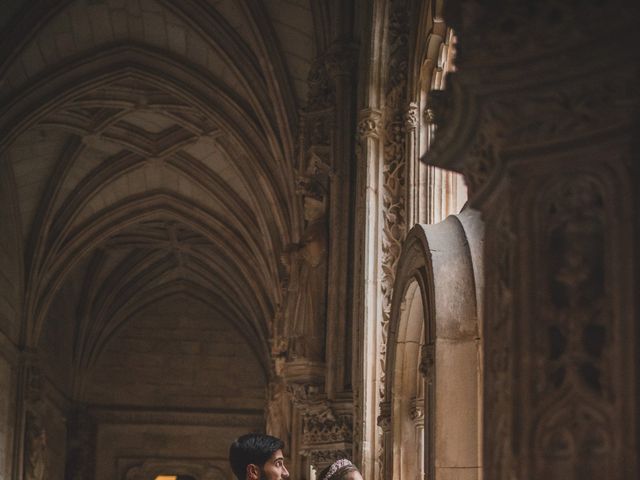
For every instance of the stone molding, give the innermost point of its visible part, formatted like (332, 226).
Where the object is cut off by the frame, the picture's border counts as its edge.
(168, 417)
(327, 434)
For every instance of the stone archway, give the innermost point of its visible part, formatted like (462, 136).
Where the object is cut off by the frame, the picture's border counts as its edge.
(435, 328)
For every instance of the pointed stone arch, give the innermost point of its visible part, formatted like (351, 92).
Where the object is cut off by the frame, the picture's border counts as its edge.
(435, 329)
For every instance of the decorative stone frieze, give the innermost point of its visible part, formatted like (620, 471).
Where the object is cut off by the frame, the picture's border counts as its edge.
(394, 161)
(394, 175)
(326, 434)
(322, 426)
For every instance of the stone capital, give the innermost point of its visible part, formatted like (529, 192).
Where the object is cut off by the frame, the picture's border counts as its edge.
(369, 123)
(411, 116)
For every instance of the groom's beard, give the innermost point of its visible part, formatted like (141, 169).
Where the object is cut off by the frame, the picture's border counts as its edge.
(263, 476)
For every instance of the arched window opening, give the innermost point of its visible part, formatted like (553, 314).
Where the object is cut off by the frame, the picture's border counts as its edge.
(409, 388)
(434, 352)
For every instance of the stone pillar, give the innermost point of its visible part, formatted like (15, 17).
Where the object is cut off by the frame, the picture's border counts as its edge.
(385, 459)
(340, 62)
(428, 372)
(81, 445)
(416, 204)
(540, 117)
(417, 415)
(35, 451)
(369, 150)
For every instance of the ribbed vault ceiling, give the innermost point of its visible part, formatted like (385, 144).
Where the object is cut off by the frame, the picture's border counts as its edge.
(152, 148)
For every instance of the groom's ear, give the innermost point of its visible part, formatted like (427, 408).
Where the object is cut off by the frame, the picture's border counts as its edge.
(253, 472)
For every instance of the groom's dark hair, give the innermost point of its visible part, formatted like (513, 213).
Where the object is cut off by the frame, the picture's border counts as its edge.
(254, 448)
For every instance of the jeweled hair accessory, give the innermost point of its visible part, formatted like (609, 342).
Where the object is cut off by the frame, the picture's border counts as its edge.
(337, 465)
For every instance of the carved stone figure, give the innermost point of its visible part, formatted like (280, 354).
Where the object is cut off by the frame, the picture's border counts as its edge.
(307, 262)
(35, 467)
(278, 413)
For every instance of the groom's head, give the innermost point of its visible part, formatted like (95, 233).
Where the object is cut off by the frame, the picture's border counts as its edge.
(258, 457)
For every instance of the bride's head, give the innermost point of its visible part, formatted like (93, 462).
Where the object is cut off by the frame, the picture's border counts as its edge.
(341, 469)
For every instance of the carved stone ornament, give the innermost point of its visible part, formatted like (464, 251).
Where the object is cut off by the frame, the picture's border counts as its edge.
(369, 124)
(393, 189)
(321, 94)
(384, 418)
(411, 116)
(323, 458)
(574, 348)
(416, 410)
(315, 181)
(574, 390)
(305, 394)
(394, 163)
(317, 130)
(322, 426)
(341, 60)
(436, 108)
(481, 165)
(427, 361)
(34, 386)
(497, 338)
(36, 458)
(326, 434)
(278, 411)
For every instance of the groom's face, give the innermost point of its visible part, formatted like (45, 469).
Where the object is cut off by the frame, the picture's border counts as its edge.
(274, 468)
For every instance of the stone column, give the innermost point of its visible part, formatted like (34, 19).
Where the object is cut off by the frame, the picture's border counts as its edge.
(416, 208)
(428, 372)
(540, 117)
(385, 459)
(81, 445)
(417, 415)
(369, 150)
(35, 451)
(340, 62)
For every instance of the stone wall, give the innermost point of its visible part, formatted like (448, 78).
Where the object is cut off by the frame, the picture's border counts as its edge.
(177, 356)
(127, 443)
(7, 414)
(9, 261)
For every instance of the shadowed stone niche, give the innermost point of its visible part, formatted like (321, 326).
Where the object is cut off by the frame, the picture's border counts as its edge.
(541, 117)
